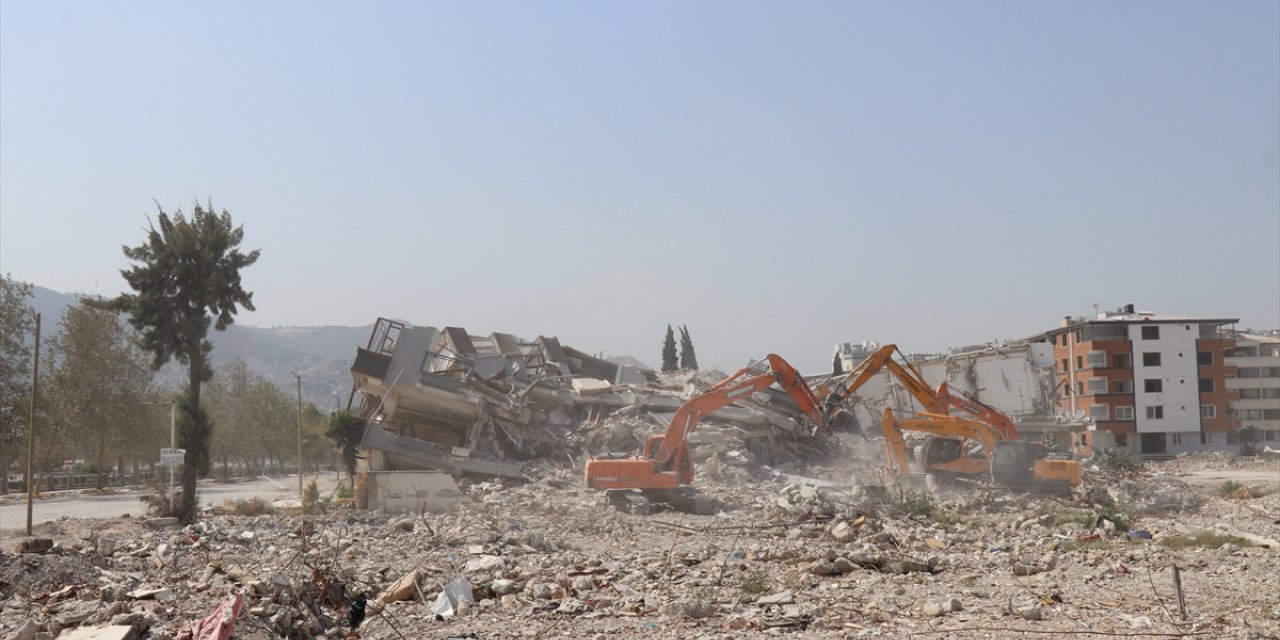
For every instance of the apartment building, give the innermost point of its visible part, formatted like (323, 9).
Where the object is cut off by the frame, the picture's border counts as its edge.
(1153, 384)
(1256, 357)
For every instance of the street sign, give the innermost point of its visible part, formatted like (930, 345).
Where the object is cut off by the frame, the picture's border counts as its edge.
(172, 456)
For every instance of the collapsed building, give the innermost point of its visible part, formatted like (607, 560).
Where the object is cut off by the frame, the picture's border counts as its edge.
(1018, 378)
(447, 400)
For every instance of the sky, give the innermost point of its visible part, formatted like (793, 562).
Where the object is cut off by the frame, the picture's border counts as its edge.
(778, 177)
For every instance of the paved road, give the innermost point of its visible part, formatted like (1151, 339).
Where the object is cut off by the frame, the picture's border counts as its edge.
(13, 512)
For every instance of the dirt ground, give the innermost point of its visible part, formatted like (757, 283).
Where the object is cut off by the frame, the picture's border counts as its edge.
(550, 559)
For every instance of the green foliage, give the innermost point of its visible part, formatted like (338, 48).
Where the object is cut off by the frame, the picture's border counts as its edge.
(1204, 539)
(754, 582)
(344, 491)
(669, 362)
(98, 383)
(311, 503)
(186, 271)
(346, 430)
(1123, 517)
(1116, 459)
(688, 359)
(1249, 439)
(17, 322)
(918, 503)
(252, 507)
(1229, 487)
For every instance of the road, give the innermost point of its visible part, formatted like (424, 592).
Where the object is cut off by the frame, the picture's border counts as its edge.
(78, 504)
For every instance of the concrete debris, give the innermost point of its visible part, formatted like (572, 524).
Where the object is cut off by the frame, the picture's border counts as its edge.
(110, 632)
(35, 545)
(486, 406)
(803, 557)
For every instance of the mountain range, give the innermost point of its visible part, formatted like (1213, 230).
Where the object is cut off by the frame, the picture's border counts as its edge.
(321, 355)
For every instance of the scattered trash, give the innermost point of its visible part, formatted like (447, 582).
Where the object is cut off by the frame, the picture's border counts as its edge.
(454, 594)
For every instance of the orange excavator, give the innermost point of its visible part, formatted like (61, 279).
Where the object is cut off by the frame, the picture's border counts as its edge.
(1001, 457)
(663, 470)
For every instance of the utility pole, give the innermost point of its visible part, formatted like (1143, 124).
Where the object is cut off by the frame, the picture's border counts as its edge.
(173, 440)
(299, 377)
(31, 438)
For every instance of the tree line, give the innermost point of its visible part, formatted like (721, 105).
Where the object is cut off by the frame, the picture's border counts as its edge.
(688, 360)
(103, 410)
(100, 401)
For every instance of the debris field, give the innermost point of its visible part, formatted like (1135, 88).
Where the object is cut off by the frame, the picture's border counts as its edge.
(1148, 553)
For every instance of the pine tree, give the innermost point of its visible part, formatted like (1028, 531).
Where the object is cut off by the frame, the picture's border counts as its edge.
(836, 367)
(688, 359)
(186, 277)
(669, 362)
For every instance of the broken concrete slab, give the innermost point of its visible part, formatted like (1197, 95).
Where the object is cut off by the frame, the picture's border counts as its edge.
(408, 491)
(110, 632)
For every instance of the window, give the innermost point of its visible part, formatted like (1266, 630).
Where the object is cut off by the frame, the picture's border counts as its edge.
(1064, 339)
(1079, 388)
(1124, 413)
(1064, 365)
(1097, 386)
(1233, 437)
(1079, 362)
(1271, 372)
(1247, 372)
(1267, 393)
(1100, 411)
(1206, 437)
(1271, 414)
(1153, 385)
(1151, 333)
(1204, 358)
(1177, 438)
(1208, 411)
(1097, 359)
(1271, 435)
(1155, 413)
(1250, 414)
(1124, 386)
(1251, 394)
(1206, 385)
(1151, 359)
(1121, 361)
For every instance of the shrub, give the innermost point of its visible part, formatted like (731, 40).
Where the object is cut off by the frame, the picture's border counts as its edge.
(754, 582)
(918, 503)
(1229, 487)
(311, 503)
(252, 507)
(1204, 539)
(1116, 459)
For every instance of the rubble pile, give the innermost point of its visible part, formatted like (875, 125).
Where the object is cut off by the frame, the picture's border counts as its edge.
(799, 557)
(485, 405)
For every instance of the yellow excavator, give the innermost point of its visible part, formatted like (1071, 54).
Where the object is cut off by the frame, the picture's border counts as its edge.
(1001, 456)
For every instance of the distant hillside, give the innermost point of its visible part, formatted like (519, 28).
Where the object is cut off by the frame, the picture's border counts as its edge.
(323, 355)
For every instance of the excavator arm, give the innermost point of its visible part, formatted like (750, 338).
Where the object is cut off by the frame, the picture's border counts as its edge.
(730, 390)
(980, 411)
(834, 392)
(945, 426)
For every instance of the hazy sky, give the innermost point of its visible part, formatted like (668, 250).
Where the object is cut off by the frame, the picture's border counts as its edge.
(778, 176)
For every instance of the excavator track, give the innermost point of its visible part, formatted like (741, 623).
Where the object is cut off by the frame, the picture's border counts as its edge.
(684, 500)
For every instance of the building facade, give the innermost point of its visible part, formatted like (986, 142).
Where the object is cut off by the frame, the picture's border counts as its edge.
(1256, 358)
(1155, 385)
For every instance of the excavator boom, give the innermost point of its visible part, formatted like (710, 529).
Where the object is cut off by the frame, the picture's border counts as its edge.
(664, 463)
